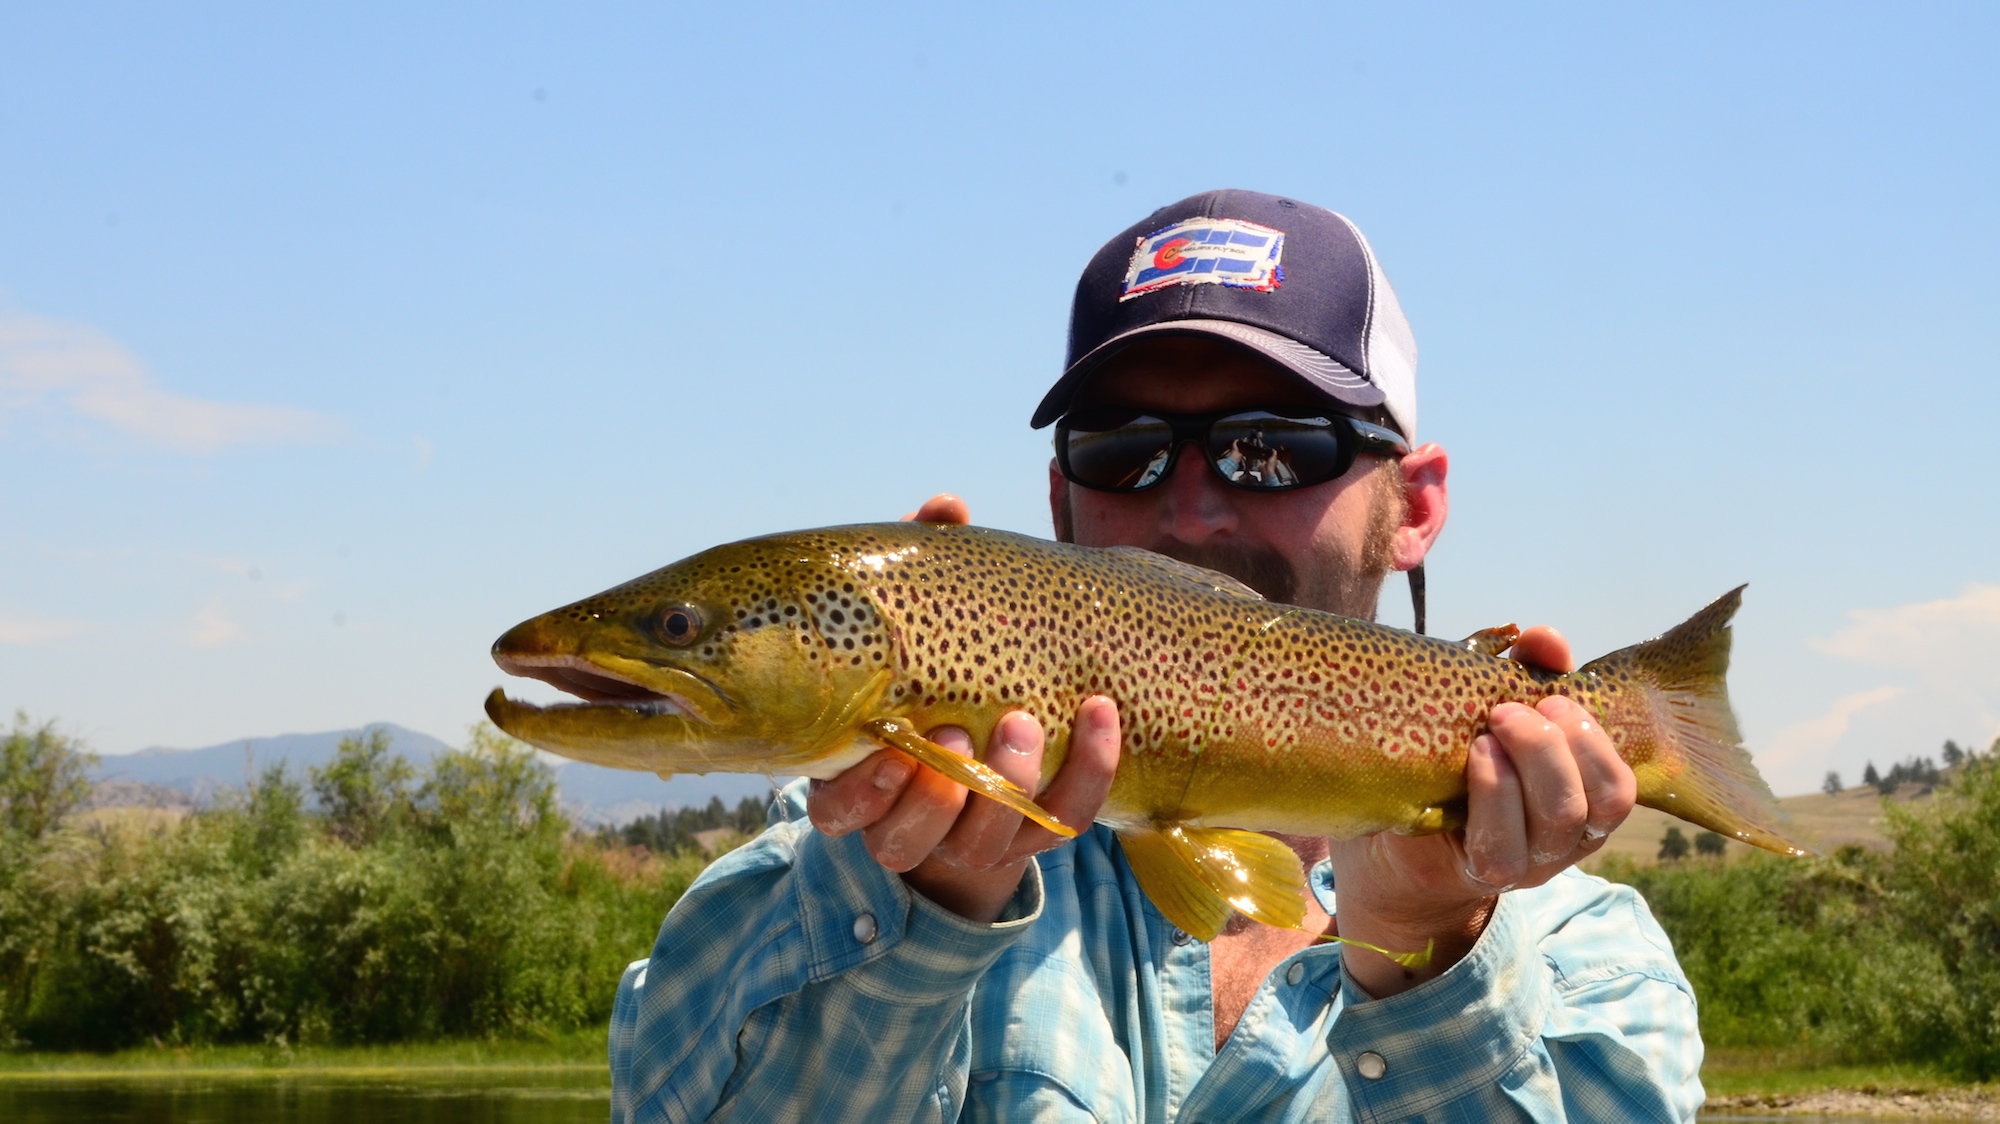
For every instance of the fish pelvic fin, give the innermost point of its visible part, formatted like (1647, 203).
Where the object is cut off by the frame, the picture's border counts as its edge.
(1698, 769)
(1198, 876)
(976, 776)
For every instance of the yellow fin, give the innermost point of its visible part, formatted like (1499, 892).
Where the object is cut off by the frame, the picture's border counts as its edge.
(974, 775)
(1492, 641)
(663, 774)
(1172, 884)
(1197, 875)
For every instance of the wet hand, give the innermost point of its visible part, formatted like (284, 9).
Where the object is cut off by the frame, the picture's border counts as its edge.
(1544, 788)
(968, 853)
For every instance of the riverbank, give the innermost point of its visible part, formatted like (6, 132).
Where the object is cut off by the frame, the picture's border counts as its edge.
(1795, 1083)
(580, 1052)
(1755, 1081)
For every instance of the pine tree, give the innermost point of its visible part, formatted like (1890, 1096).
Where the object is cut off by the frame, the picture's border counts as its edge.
(1832, 787)
(1870, 776)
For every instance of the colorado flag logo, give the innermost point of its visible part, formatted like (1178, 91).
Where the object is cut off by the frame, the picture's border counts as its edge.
(1241, 255)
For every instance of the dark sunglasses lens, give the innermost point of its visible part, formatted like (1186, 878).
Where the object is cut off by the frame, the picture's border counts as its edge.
(1263, 450)
(1118, 453)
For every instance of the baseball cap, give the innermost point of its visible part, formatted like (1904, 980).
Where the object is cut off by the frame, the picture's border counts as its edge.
(1293, 282)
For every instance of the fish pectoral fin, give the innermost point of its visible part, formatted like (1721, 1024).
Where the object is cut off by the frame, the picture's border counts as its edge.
(1492, 641)
(1198, 875)
(974, 775)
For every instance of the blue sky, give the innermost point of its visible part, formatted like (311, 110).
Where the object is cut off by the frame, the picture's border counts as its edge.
(335, 339)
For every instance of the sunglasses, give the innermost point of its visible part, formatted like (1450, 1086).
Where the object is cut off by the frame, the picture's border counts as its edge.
(1122, 450)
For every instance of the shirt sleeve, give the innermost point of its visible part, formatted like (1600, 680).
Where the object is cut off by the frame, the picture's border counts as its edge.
(1569, 1008)
(797, 979)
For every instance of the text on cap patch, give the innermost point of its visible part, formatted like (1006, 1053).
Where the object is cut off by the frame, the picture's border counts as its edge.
(1241, 255)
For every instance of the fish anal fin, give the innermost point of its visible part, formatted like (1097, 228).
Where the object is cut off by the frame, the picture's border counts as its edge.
(1172, 884)
(663, 774)
(1492, 641)
(974, 775)
(1198, 875)
(1435, 818)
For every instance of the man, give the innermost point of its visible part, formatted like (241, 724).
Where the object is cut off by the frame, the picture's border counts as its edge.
(897, 951)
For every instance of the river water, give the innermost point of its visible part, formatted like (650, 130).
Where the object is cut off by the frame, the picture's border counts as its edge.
(482, 1096)
(471, 1096)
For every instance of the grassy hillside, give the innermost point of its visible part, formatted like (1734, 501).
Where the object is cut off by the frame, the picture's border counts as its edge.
(1824, 823)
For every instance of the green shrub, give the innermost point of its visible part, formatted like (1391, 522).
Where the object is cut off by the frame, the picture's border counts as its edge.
(1947, 882)
(394, 904)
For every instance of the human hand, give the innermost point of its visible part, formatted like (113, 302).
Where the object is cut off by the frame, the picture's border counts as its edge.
(1544, 787)
(968, 855)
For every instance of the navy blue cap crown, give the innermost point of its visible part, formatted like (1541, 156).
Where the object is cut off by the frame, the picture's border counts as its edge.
(1292, 281)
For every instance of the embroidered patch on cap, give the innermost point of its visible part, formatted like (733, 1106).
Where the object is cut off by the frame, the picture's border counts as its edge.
(1241, 255)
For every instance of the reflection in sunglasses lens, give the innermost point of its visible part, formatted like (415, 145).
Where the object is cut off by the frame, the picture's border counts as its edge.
(1262, 450)
(1131, 456)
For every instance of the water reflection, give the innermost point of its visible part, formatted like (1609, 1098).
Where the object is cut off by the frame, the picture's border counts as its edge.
(464, 1096)
(472, 1096)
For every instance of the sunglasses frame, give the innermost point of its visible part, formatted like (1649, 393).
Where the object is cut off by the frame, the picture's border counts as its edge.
(1355, 437)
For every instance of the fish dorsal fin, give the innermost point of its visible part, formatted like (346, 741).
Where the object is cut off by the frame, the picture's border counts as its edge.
(1214, 579)
(1492, 641)
(1198, 875)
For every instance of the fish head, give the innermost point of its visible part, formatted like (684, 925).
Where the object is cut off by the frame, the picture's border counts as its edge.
(752, 657)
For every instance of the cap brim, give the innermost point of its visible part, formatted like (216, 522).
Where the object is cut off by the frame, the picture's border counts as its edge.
(1322, 372)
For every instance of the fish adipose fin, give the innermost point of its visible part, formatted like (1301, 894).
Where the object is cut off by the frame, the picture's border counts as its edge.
(1492, 641)
(1699, 770)
(1198, 875)
(974, 775)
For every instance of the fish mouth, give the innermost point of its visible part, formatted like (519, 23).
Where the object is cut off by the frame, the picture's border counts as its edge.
(603, 688)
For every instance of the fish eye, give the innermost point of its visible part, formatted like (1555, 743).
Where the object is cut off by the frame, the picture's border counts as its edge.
(680, 625)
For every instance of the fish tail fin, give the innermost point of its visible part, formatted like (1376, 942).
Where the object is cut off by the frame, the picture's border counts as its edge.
(1681, 738)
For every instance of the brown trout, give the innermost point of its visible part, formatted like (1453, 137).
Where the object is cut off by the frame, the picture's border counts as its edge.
(803, 653)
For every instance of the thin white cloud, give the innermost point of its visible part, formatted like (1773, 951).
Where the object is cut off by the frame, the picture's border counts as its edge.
(212, 627)
(29, 633)
(1955, 638)
(95, 377)
(1941, 663)
(1813, 737)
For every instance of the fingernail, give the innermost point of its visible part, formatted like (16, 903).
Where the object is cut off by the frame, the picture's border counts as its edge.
(1593, 834)
(1014, 736)
(1474, 876)
(891, 774)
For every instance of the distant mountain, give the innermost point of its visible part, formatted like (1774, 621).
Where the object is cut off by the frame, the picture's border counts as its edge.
(591, 794)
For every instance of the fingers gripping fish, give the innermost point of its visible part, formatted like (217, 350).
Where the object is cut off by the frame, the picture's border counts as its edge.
(803, 653)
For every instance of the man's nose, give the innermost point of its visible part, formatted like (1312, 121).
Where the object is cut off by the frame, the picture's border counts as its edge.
(1195, 505)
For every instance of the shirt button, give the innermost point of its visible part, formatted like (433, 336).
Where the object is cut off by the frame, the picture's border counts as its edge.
(1371, 1065)
(864, 928)
(1296, 974)
(1181, 937)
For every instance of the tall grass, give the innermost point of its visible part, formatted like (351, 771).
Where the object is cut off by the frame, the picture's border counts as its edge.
(368, 902)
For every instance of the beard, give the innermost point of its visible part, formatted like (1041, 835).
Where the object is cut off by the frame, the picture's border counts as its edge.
(1333, 580)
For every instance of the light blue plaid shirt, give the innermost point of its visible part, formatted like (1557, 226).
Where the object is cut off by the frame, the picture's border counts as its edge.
(798, 980)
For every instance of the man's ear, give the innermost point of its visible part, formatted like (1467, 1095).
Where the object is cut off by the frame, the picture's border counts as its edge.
(1059, 514)
(1424, 504)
